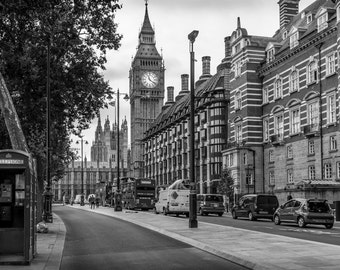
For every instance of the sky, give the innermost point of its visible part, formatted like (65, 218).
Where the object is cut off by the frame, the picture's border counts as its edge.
(172, 21)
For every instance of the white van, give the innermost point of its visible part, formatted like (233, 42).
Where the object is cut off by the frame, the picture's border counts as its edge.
(174, 199)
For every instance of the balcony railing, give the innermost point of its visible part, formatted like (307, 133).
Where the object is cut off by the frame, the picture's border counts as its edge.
(311, 130)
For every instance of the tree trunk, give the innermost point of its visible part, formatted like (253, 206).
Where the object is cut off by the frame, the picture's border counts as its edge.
(12, 121)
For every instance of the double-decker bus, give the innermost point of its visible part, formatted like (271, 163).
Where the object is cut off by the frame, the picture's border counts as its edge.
(138, 193)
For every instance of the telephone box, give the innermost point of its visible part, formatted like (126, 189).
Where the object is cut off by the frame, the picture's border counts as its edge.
(17, 207)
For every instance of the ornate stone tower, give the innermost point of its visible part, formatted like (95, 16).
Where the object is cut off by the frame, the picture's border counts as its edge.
(146, 90)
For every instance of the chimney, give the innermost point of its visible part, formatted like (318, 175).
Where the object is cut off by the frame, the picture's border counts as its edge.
(288, 9)
(227, 47)
(170, 93)
(206, 65)
(185, 82)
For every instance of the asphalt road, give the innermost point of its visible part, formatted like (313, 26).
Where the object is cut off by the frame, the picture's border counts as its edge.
(95, 241)
(316, 233)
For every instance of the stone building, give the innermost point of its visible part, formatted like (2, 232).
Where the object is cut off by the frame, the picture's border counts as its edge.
(101, 171)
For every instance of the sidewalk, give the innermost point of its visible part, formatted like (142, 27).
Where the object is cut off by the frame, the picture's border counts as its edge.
(49, 248)
(252, 249)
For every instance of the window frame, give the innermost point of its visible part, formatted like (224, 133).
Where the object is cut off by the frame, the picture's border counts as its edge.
(290, 176)
(294, 81)
(331, 108)
(295, 120)
(311, 147)
(327, 170)
(265, 129)
(322, 21)
(278, 129)
(311, 172)
(238, 100)
(330, 64)
(312, 72)
(294, 39)
(333, 143)
(278, 88)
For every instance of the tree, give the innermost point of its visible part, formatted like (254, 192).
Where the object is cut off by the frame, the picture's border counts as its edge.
(79, 34)
(226, 184)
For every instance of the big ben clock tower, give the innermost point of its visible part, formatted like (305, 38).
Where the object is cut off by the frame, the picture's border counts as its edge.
(146, 91)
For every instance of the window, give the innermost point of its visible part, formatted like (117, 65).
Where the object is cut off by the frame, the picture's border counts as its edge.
(238, 133)
(278, 88)
(294, 81)
(266, 129)
(249, 178)
(330, 64)
(289, 152)
(313, 115)
(328, 171)
(271, 178)
(271, 156)
(265, 98)
(332, 143)
(279, 126)
(338, 170)
(238, 66)
(284, 35)
(311, 147)
(331, 109)
(312, 74)
(294, 39)
(270, 55)
(295, 121)
(311, 172)
(238, 100)
(322, 22)
(290, 176)
(309, 18)
(245, 159)
(231, 159)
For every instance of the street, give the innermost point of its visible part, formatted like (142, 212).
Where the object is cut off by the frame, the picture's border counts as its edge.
(94, 241)
(316, 233)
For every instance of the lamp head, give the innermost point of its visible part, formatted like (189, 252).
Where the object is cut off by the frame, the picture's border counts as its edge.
(126, 97)
(192, 36)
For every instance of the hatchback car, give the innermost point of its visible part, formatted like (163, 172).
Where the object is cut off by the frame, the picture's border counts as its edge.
(305, 211)
(210, 204)
(255, 206)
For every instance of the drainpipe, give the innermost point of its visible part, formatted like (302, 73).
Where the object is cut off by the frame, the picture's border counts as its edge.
(320, 109)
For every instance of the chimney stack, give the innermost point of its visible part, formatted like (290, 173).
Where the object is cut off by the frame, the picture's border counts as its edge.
(185, 82)
(170, 90)
(288, 9)
(206, 65)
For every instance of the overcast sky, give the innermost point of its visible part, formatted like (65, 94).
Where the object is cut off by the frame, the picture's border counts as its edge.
(173, 20)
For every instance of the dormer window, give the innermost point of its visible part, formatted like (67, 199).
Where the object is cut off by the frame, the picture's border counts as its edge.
(270, 55)
(284, 35)
(322, 21)
(309, 18)
(294, 39)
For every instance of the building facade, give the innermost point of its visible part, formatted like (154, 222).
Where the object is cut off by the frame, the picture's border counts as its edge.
(270, 115)
(146, 91)
(100, 172)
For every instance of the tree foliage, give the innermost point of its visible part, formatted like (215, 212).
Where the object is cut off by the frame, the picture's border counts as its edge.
(226, 184)
(79, 33)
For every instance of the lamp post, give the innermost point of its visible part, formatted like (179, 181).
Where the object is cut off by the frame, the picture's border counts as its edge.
(47, 194)
(118, 196)
(193, 196)
(82, 170)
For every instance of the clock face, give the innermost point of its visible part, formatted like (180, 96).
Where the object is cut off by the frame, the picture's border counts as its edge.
(149, 79)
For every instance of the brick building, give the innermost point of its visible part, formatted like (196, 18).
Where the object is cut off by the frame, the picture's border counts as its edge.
(270, 114)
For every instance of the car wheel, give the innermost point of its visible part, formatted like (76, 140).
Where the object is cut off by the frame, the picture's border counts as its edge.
(220, 214)
(250, 216)
(329, 226)
(301, 222)
(234, 215)
(277, 220)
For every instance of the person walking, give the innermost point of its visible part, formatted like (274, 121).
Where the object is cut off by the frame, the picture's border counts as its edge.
(91, 201)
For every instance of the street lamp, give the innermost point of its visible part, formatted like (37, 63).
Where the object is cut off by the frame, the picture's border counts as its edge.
(82, 170)
(192, 197)
(118, 196)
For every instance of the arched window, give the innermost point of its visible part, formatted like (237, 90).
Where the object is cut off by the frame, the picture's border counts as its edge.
(294, 81)
(312, 72)
(278, 88)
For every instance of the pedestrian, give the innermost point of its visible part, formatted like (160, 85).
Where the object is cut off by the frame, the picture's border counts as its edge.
(91, 201)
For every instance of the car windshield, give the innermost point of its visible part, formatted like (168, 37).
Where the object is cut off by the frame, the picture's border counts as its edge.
(214, 198)
(318, 207)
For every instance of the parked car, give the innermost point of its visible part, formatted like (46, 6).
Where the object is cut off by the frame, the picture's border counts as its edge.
(305, 211)
(254, 206)
(210, 204)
